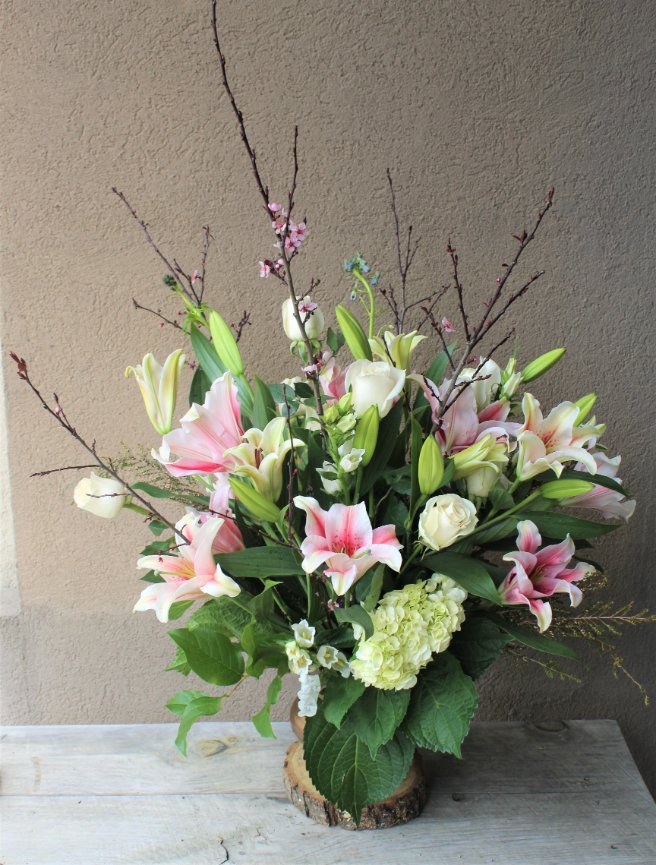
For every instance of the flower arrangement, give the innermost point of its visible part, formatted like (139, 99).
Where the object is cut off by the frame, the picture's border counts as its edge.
(381, 528)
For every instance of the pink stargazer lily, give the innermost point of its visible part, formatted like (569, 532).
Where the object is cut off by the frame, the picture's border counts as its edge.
(547, 443)
(342, 538)
(538, 574)
(609, 503)
(207, 431)
(189, 576)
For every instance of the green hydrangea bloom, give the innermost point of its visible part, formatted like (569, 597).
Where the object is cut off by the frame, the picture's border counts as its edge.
(410, 626)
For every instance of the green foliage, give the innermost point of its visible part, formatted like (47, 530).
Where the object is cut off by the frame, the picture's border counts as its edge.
(442, 705)
(178, 609)
(262, 719)
(189, 706)
(343, 770)
(356, 615)
(377, 715)
(599, 480)
(264, 406)
(206, 355)
(212, 656)
(179, 663)
(200, 384)
(273, 561)
(467, 572)
(387, 438)
(478, 644)
(338, 696)
(153, 491)
(556, 525)
(533, 639)
(223, 615)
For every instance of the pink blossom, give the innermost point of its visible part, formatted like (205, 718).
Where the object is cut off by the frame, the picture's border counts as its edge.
(342, 538)
(194, 276)
(447, 326)
(205, 434)
(307, 306)
(538, 574)
(274, 208)
(332, 378)
(191, 575)
(265, 269)
(311, 368)
(609, 503)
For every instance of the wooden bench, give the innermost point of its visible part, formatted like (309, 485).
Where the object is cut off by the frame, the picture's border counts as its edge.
(559, 793)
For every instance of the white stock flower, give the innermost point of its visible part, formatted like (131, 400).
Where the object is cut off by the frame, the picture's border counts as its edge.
(308, 695)
(304, 634)
(332, 659)
(445, 519)
(374, 383)
(299, 660)
(103, 497)
(350, 457)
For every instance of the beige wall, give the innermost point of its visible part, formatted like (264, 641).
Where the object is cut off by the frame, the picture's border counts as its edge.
(477, 107)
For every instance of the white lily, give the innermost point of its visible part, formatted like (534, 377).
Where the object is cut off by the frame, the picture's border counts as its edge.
(159, 387)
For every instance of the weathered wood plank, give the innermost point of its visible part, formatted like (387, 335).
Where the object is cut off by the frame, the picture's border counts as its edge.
(120, 795)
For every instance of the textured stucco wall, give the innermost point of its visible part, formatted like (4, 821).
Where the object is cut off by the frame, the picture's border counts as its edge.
(477, 108)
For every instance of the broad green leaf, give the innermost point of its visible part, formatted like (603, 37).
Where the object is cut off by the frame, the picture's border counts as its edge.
(179, 663)
(334, 340)
(178, 609)
(415, 451)
(343, 770)
(152, 577)
(356, 615)
(467, 572)
(223, 615)
(375, 588)
(206, 355)
(556, 526)
(200, 384)
(262, 562)
(478, 644)
(263, 641)
(264, 407)
(156, 547)
(190, 706)
(377, 715)
(157, 527)
(498, 531)
(210, 655)
(388, 435)
(534, 639)
(442, 705)
(338, 696)
(262, 719)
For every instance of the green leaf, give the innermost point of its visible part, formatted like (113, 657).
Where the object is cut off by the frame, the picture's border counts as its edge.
(555, 525)
(467, 572)
(210, 655)
(190, 706)
(152, 577)
(533, 639)
(343, 770)
(156, 527)
(262, 719)
(478, 644)
(377, 715)
(334, 340)
(262, 562)
(356, 615)
(338, 696)
(388, 434)
(152, 491)
(498, 531)
(442, 705)
(200, 384)
(179, 663)
(206, 355)
(264, 407)
(375, 588)
(156, 547)
(178, 609)
(223, 615)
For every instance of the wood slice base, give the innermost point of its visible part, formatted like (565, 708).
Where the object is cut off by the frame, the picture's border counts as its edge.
(406, 803)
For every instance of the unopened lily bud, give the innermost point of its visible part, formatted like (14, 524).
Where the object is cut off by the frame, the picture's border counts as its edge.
(366, 434)
(225, 343)
(431, 467)
(585, 406)
(541, 364)
(565, 489)
(259, 506)
(353, 333)
(159, 387)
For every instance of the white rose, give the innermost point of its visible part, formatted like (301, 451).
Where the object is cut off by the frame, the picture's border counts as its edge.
(374, 383)
(313, 322)
(103, 497)
(445, 519)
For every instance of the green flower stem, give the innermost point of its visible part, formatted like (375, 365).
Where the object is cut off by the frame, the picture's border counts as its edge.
(413, 555)
(508, 513)
(372, 302)
(136, 509)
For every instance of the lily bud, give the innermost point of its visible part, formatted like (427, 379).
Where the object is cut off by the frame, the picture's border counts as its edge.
(431, 466)
(159, 387)
(565, 489)
(585, 406)
(366, 434)
(485, 453)
(541, 364)
(353, 333)
(225, 343)
(259, 506)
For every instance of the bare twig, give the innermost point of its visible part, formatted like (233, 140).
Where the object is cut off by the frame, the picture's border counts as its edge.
(459, 289)
(157, 313)
(404, 263)
(59, 415)
(63, 469)
(241, 324)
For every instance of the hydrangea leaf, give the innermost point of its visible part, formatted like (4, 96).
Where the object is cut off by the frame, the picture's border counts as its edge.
(338, 696)
(478, 644)
(377, 715)
(442, 705)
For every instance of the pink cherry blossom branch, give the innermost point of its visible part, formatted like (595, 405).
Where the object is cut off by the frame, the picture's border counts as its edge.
(60, 416)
